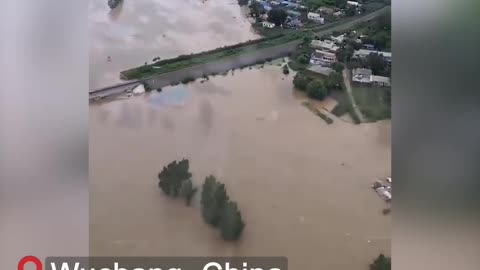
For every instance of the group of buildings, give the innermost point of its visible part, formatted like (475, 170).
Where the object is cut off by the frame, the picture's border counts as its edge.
(365, 76)
(325, 54)
(297, 12)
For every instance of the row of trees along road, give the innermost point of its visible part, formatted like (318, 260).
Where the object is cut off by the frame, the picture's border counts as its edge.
(217, 208)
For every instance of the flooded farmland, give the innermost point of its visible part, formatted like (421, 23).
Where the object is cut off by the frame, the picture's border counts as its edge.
(303, 186)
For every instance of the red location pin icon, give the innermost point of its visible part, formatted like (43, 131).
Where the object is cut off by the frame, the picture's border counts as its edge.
(29, 259)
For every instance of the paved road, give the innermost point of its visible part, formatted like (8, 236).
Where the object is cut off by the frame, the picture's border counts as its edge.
(346, 79)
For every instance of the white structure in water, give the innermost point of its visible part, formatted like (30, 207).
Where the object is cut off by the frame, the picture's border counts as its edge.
(139, 89)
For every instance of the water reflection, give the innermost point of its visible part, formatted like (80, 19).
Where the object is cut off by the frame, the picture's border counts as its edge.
(137, 31)
(171, 96)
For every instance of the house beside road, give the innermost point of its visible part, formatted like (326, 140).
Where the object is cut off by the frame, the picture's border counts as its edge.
(362, 53)
(315, 17)
(323, 58)
(365, 76)
(325, 45)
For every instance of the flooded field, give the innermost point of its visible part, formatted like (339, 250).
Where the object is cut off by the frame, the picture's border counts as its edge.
(140, 30)
(303, 186)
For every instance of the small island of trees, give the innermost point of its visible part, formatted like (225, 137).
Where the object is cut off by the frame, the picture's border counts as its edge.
(217, 208)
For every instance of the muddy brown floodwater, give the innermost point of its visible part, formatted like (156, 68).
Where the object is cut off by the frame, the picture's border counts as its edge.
(303, 186)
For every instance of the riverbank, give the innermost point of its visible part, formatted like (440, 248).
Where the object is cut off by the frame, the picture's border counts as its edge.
(185, 61)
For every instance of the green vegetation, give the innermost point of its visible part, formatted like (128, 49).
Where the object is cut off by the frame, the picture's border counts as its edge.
(378, 31)
(300, 58)
(185, 61)
(314, 4)
(381, 263)
(316, 86)
(242, 2)
(316, 89)
(256, 9)
(338, 67)
(300, 81)
(277, 16)
(219, 211)
(188, 80)
(373, 102)
(147, 87)
(113, 3)
(344, 106)
(175, 180)
(295, 65)
(217, 208)
(318, 112)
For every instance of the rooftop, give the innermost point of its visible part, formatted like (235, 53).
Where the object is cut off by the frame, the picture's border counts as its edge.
(326, 45)
(380, 79)
(321, 70)
(364, 53)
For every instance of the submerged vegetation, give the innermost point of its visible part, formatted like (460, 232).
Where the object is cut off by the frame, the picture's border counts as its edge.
(219, 211)
(113, 3)
(175, 180)
(381, 263)
(217, 208)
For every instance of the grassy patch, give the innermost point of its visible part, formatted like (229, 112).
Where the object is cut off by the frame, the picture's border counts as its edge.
(373, 102)
(318, 112)
(295, 65)
(185, 61)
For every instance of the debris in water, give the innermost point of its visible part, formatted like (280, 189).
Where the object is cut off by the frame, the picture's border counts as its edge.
(139, 89)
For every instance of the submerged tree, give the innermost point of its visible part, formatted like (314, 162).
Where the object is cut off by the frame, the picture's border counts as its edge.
(316, 90)
(277, 16)
(214, 198)
(172, 177)
(187, 191)
(219, 211)
(300, 81)
(381, 263)
(231, 224)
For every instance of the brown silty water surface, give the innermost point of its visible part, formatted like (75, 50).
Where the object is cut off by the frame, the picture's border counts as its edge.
(303, 186)
(139, 30)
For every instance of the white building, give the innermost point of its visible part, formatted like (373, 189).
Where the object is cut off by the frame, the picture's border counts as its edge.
(353, 3)
(326, 45)
(362, 75)
(362, 53)
(268, 24)
(339, 39)
(323, 58)
(338, 13)
(315, 17)
(365, 76)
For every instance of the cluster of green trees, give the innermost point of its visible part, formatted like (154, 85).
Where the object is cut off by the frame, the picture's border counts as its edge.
(175, 180)
(219, 211)
(256, 9)
(217, 208)
(381, 263)
(278, 16)
(318, 88)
